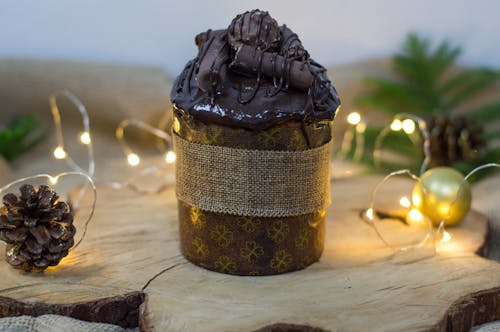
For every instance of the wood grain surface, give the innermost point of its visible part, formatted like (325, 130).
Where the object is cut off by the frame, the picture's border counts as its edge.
(131, 254)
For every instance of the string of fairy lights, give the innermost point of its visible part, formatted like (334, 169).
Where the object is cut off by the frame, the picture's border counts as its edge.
(407, 123)
(132, 158)
(85, 139)
(60, 151)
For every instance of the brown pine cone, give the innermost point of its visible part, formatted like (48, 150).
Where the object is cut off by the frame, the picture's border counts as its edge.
(454, 138)
(37, 227)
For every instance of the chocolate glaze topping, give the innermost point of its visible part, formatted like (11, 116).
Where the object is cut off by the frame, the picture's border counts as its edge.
(254, 75)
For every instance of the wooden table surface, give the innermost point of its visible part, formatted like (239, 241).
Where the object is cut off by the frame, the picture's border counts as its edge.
(129, 269)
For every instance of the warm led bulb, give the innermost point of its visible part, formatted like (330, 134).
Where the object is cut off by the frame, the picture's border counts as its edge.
(369, 213)
(133, 159)
(417, 201)
(354, 118)
(53, 180)
(59, 153)
(85, 138)
(408, 126)
(170, 157)
(446, 237)
(405, 202)
(414, 216)
(396, 125)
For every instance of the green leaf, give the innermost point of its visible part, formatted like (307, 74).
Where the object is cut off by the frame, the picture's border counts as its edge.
(20, 135)
(425, 85)
(421, 67)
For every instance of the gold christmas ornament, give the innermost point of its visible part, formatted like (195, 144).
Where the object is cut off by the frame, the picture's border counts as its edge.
(440, 195)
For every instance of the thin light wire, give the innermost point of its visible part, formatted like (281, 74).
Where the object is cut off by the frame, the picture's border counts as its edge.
(120, 136)
(56, 116)
(440, 229)
(129, 184)
(371, 220)
(422, 127)
(424, 132)
(120, 132)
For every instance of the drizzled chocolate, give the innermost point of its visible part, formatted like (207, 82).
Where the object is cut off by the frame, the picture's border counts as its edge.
(254, 75)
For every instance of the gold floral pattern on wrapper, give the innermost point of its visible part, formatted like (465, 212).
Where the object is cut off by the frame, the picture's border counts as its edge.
(249, 245)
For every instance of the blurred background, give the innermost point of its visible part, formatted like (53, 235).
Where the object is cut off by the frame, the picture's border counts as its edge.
(438, 60)
(121, 57)
(160, 33)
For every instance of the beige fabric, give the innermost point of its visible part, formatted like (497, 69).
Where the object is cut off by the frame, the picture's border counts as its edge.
(55, 323)
(259, 183)
(110, 92)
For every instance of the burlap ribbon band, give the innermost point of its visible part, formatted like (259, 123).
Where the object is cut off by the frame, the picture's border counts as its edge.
(259, 183)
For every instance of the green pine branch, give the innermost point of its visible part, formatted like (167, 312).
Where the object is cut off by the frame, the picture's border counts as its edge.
(20, 135)
(425, 80)
(428, 81)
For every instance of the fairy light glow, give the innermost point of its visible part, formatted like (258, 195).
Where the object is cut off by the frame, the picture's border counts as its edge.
(369, 214)
(354, 118)
(59, 153)
(396, 125)
(405, 202)
(408, 126)
(407, 122)
(416, 200)
(133, 159)
(53, 180)
(170, 157)
(85, 138)
(446, 237)
(415, 216)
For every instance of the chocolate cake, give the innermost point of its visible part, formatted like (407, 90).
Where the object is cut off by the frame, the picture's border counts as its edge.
(252, 98)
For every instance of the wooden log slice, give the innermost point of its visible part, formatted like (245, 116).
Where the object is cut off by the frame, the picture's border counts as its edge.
(131, 253)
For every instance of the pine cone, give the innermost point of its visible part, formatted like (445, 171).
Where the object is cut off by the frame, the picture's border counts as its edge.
(454, 138)
(37, 227)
